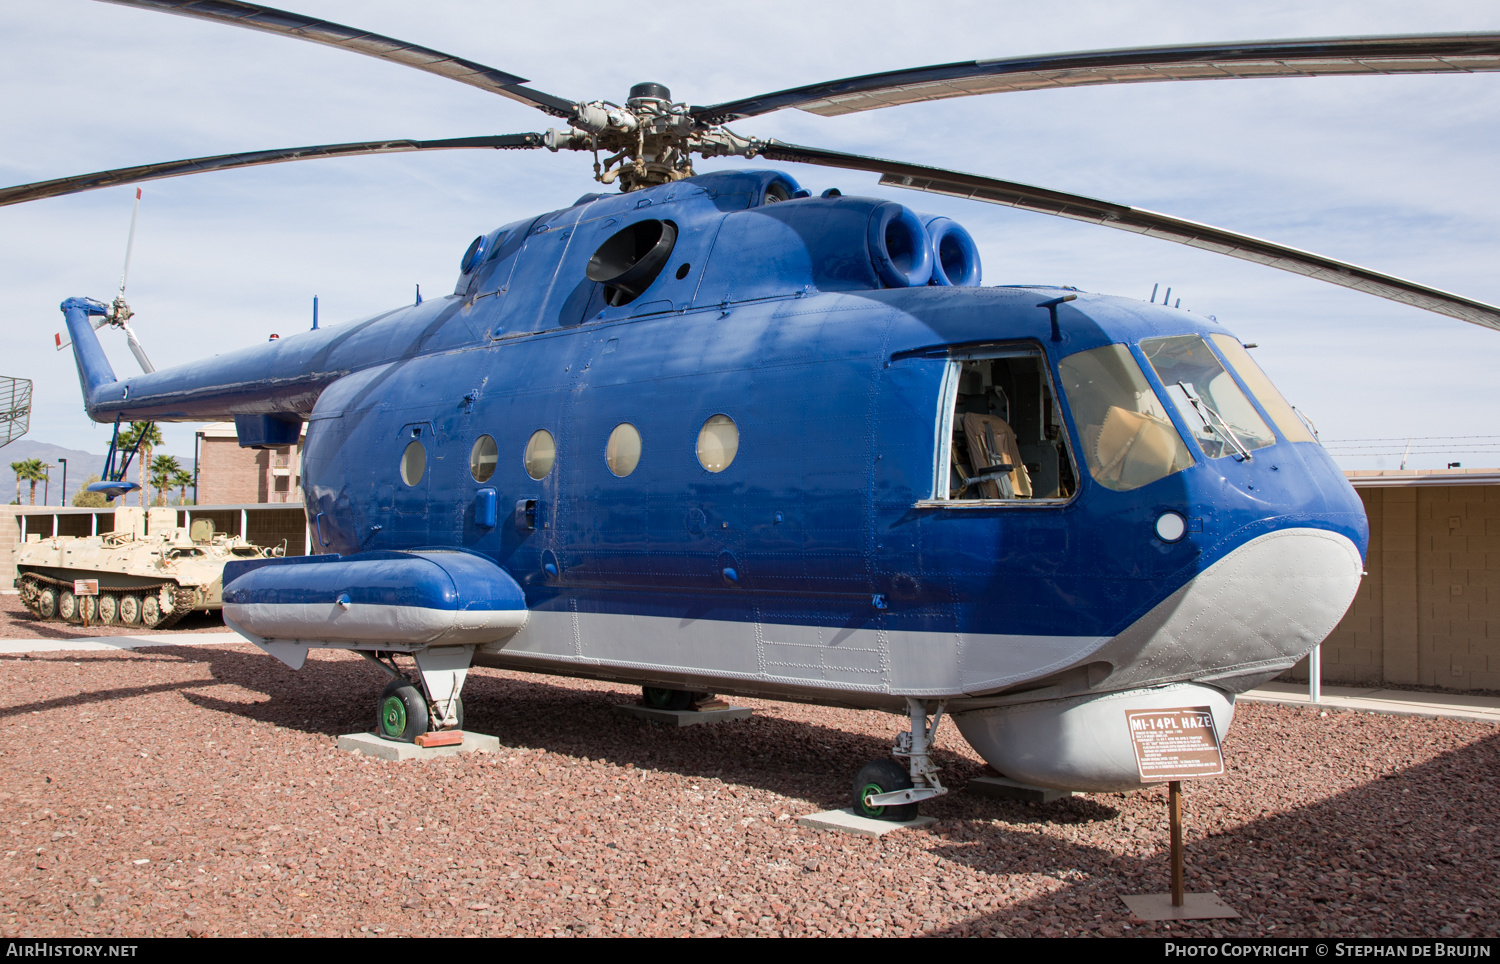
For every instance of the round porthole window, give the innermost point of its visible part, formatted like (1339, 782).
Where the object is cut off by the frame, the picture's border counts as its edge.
(413, 463)
(718, 441)
(1170, 527)
(623, 453)
(482, 458)
(541, 452)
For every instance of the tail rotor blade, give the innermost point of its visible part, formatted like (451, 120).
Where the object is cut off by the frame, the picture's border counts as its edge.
(130, 241)
(137, 350)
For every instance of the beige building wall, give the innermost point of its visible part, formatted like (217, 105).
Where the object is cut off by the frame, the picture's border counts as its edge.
(1428, 610)
(10, 536)
(230, 475)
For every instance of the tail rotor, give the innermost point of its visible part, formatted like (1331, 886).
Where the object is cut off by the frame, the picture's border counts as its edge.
(119, 313)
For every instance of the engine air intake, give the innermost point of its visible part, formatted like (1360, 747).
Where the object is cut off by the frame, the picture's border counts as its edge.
(631, 258)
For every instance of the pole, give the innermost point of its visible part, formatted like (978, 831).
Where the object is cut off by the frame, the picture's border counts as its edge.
(1174, 806)
(1315, 675)
(65, 481)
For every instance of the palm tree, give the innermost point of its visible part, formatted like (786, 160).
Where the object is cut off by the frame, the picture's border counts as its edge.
(149, 437)
(182, 478)
(34, 471)
(163, 469)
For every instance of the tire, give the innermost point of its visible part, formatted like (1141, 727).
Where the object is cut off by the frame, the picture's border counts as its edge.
(402, 712)
(665, 699)
(109, 609)
(150, 611)
(130, 610)
(67, 607)
(46, 602)
(882, 776)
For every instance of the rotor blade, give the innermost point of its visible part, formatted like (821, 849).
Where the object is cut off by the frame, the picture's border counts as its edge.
(1139, 221)
(256, 17)
(224, 162)
(130, 241)
(136, 349)
(1421, 54)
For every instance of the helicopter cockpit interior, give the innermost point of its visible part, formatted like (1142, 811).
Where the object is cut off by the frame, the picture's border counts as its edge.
(1003, 430)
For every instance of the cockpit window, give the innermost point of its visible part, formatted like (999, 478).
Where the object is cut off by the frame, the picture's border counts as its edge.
(1128, 440)
(1003, 431)
(1260, 386)
(1221, 418)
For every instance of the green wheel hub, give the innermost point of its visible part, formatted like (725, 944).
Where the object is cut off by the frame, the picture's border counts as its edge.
(393, 716)
(869, 790)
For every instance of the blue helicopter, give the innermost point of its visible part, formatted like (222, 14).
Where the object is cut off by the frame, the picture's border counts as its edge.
(713, 434)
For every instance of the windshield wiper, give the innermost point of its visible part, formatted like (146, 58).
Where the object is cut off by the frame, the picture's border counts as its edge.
(1216, 422)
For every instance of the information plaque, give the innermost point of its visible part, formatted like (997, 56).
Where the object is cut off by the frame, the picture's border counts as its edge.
(1175, 744)
(85, 587)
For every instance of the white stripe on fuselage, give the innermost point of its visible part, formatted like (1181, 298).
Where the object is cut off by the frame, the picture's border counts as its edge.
(1253, 613)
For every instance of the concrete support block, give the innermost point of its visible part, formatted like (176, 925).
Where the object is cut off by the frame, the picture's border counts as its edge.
(847, 821)
(1153, 907)
(1003, 788)
(371, 745)
(684, 717)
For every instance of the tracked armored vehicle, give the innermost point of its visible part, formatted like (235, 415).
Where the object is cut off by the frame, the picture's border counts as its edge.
(129, 577)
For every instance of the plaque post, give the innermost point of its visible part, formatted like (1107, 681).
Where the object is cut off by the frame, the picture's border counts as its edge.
(1174, 808)
(1172, 745)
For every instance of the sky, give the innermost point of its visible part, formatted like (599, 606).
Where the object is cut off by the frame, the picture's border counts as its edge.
(1393, 173)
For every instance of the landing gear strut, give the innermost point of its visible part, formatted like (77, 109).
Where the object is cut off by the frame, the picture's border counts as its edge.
(405, 711)
(884, 790)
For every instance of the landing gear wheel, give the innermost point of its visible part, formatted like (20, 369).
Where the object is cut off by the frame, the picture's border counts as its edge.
(130, 610)
(403, 712)
(664, 699)
(109, 610)
(67, 607)
(46, 602)
(882, 776)
(150, 611)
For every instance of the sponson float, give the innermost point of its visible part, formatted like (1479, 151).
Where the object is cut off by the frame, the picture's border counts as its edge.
(434, 606)
(715, 434)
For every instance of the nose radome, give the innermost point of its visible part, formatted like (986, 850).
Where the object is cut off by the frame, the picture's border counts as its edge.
(1246, 618)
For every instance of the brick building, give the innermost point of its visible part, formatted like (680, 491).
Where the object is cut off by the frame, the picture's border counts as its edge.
(1428, 610)
(230, 475)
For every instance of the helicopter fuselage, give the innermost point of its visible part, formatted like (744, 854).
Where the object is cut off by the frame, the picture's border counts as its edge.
(839, 555)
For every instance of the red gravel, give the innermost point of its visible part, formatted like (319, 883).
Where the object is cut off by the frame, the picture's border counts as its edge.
(188, 790)
(17, 623)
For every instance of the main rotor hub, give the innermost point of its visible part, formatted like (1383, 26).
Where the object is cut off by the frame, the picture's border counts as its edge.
(649, 90)
(651, 140)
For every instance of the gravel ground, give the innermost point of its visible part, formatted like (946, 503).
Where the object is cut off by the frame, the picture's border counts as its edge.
(191, 790)
(17, 623)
